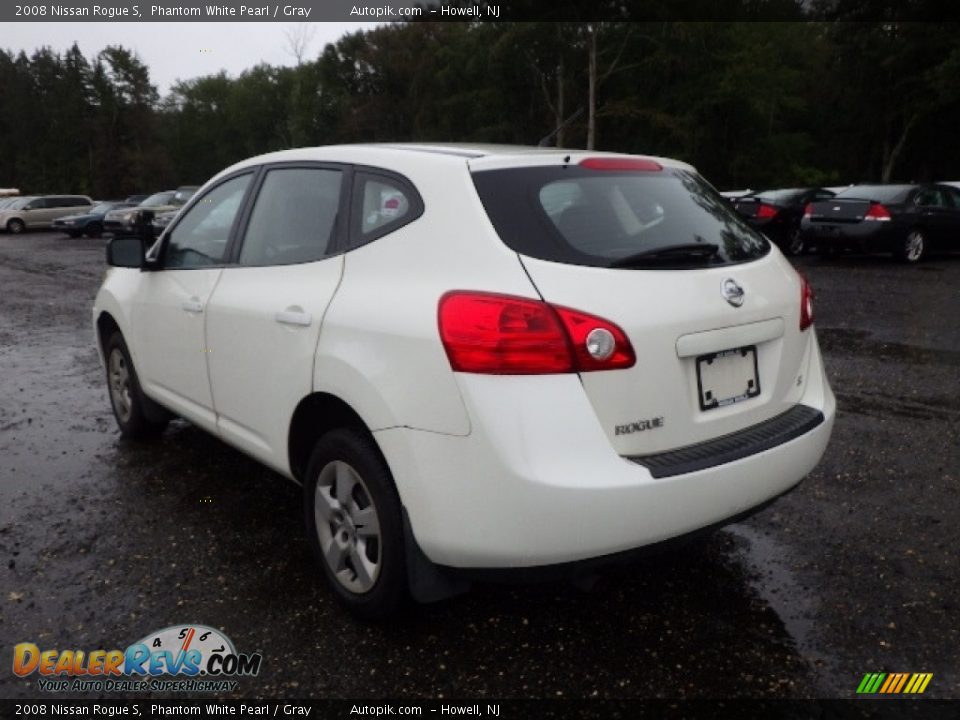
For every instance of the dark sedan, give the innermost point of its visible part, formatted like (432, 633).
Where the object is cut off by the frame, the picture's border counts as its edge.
(88, 223)
(777, 213)
(906, 220)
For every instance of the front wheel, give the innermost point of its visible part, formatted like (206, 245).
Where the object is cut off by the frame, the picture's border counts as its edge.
(354, 525)
(16, 226)
(132, 409)
(94, 230)
(913, 247)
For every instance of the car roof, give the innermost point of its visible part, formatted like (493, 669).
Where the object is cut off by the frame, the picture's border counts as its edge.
(476, 155)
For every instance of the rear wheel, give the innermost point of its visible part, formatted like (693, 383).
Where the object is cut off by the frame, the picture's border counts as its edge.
(795, 243)
(16, 226)
(354, 526)
(913, 247)
(133, 410)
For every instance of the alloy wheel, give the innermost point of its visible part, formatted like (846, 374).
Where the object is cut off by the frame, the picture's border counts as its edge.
(120, 385)
(915, 246)
(348, 527)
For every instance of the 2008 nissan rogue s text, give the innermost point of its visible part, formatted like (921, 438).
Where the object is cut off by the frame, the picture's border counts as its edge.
(474, 359)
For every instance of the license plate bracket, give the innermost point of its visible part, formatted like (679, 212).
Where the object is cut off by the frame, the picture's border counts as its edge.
(727, 377)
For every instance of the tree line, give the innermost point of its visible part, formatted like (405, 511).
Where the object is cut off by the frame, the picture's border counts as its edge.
(751, 104)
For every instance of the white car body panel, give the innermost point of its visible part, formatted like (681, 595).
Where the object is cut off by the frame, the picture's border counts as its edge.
(169, 330)
(263, 324)
(657, 308)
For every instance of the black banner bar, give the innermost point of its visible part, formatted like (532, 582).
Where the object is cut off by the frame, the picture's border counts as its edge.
(496, 709)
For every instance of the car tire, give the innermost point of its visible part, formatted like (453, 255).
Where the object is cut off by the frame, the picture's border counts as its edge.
(16, 226)
(74, 233)
(137, 416)
(794, 244)
(913, 247)
(354, 527)
(94, 230)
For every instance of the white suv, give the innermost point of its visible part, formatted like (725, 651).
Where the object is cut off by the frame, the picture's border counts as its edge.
(476, 360)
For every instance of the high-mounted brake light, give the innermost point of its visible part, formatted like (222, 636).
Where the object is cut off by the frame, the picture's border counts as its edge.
(808, 210)
(616, 163)
(765, 212)
(505, 335)
(806, 303)
(877, 212)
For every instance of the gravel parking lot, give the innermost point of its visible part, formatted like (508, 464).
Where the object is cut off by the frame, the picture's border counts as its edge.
(102, 541)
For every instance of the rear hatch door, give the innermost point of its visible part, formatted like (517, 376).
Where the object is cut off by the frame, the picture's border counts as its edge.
(717, 338)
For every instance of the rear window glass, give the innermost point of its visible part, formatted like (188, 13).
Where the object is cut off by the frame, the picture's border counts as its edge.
(780, 196)
(158, 200)
(588, 217)
(880, 193)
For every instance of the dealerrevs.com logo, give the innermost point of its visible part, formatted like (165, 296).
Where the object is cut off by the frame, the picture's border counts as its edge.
(180, 658)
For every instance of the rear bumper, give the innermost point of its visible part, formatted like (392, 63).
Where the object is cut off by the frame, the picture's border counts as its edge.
(865, 236)
(537, 482)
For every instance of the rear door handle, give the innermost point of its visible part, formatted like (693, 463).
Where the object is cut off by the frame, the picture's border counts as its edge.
(193, 305)
(293, 317)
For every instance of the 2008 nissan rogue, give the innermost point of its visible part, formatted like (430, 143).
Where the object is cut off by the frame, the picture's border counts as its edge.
(474, 359)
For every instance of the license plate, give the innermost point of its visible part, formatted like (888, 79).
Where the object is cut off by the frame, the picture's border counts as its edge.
(727, 377)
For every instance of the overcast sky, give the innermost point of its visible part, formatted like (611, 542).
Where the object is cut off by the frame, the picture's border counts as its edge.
(175, 50)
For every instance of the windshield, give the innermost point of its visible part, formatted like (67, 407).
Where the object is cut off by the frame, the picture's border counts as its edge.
(20, 203)
(880, 193)
(587, 217)
(104, 208)
(158, 199)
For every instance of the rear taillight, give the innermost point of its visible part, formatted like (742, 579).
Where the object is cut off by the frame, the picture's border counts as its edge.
(877, 212)
(808, 210)
(506, 335)
(765, 212)
(806, 303)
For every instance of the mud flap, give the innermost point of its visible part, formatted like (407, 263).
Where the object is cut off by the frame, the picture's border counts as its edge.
(428, 582)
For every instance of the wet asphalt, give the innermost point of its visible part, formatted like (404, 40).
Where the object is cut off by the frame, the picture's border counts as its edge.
(103, 540)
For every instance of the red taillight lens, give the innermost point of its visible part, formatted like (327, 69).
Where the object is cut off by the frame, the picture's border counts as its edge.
(597, 344)
(877, 212)
(765, 212)
(808, 210)
(806, 303)
(506, 335)
(615, 163)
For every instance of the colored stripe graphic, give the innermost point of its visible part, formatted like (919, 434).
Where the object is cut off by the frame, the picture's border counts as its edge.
(894, 683)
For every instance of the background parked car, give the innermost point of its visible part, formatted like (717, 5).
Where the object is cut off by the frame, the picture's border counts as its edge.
(903, 219)
(89, 223)
(121, 219)
(777, 213)
(41, 211)
(161, 220)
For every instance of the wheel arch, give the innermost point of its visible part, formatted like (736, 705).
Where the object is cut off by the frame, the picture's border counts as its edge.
(106, 326)
(315, 415)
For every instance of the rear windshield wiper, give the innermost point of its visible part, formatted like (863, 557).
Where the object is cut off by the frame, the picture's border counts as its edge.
(682, 251)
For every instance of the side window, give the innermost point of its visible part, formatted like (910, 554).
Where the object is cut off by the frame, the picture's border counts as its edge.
(930, 197)
(200, 238)
(383, 204)
(953, 197)
(294, 219)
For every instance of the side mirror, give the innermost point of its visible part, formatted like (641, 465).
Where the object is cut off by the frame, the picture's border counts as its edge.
(125, 251)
